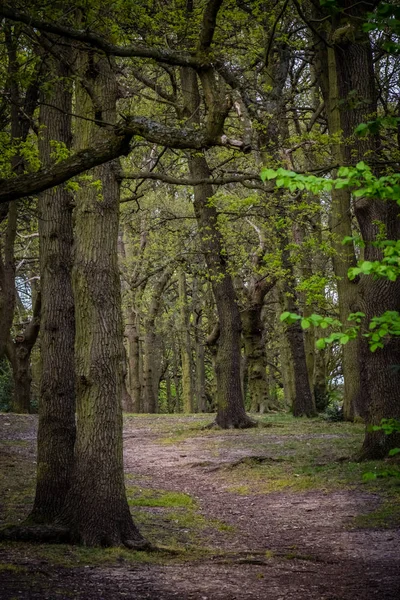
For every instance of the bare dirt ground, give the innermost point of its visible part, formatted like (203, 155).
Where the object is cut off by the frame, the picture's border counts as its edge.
(233, 542)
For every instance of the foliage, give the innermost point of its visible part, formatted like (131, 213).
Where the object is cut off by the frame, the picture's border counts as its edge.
(334, 412)
(389, 426)
(363, 183)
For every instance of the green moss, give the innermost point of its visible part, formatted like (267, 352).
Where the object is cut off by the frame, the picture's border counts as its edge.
(6, 567)
(149, 497)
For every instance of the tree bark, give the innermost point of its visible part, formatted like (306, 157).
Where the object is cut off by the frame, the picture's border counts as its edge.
(150, 399)
(200, 367)
(56, 432)
(379, 372)
(230, 411)
(18, 352)
(135, 387)
(186, 346)
(303, 402)
(341, 227)
(96, 511)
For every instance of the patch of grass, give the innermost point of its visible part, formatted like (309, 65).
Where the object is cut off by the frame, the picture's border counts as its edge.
(10, 568)
(172, 518)
(386, 516)
(148, 497)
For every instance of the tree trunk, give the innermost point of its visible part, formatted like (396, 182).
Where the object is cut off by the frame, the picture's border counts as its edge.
(56, 433)
(150, 398)
(135, 387)
(185, 344)
(303, 403)
(341, 227)
(96, 511)
(379, 371)
(230, 411)
(256, 360)
(19, 354)
(175, 366)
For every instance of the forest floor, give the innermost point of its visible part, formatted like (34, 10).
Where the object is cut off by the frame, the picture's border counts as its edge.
(280, 512)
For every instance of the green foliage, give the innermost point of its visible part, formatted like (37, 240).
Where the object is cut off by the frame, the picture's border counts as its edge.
(386, 19)
(334, 412)
(388, 266)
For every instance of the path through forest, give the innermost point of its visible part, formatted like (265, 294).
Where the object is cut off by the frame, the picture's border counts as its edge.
(199, 490)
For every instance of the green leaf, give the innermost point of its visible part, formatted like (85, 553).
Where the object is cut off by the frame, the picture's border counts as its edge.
(369, 476)
(394, 451)
(305, 323)
(267, 174)
(320, 344)
(362, 129)
(284, 316)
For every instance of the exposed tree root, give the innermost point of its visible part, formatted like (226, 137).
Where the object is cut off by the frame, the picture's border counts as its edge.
(241, 424)
(56, 534)
(37, 534)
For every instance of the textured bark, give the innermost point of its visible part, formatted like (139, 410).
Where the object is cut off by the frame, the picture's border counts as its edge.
(96, 509)
(200, 367)
(341, 227)
(256, 360)
(379, 373)
(186, 347)
(150, 397)
(303, 402)
(175, 366)
(7, 259)
(56, 433)
(230, 412)
(18, 352)
(7, 279)
(135, 387)
(230, 404)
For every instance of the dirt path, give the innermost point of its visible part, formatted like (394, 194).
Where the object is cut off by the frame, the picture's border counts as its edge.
(276, 546)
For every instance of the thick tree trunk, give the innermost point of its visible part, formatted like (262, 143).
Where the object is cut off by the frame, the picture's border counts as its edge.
(380, 374)
(56, 433)
(341, 227)
(96, 511)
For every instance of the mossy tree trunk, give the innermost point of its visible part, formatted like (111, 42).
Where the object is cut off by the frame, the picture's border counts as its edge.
(341, 227)
(256, 360)
(379, 371)
(56, 432)
(96, 510)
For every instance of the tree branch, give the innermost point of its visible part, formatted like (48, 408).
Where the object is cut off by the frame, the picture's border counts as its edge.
(116, 145)
(96, 41)
(193, 182)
